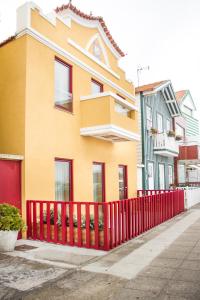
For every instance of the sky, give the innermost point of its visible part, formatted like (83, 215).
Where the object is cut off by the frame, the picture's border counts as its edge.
(162, 34)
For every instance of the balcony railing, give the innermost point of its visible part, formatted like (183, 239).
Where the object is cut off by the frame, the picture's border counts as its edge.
(165, 145)
(100, 119)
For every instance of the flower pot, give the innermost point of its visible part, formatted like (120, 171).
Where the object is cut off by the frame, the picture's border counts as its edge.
(7, 240)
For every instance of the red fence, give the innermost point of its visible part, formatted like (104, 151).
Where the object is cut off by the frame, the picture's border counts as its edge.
(101, 225)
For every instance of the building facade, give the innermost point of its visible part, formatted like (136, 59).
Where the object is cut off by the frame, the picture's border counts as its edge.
(158, 147)
(68, 115)
(188, 161)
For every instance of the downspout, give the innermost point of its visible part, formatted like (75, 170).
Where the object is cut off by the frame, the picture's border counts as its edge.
(143, 141)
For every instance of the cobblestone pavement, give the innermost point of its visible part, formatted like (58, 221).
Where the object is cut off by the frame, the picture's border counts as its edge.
(174, 273)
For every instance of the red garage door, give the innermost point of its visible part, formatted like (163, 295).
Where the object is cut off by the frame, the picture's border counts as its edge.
(10, 182)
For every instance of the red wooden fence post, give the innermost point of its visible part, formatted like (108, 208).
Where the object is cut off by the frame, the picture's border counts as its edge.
(106, 226)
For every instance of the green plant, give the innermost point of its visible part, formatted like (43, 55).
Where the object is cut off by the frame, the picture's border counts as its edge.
(171, 133)
(75, 221)
(179, 137)
(10, 218)
(153, 131)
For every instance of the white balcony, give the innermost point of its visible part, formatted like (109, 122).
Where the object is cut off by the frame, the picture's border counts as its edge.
(165, 145)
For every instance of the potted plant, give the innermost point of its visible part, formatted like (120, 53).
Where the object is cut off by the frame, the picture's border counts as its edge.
(171, 133)
(153, 131)
(179, 137)
(10, 224)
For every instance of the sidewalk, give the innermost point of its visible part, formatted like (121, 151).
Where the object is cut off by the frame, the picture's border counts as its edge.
(164, 263)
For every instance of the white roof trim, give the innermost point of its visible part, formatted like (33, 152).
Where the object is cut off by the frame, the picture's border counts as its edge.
(11, 157)
(111, 129)
(116, 97)
(92, 57)
(42, 39)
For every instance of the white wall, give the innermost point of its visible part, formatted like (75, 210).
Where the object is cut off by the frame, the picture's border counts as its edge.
(192, 197)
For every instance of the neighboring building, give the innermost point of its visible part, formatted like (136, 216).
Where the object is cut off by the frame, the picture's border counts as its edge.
(188, 161)
(158, 147)
(68, 117)
(188, 109)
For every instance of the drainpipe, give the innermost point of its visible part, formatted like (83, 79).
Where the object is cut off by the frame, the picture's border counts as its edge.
(143, 141)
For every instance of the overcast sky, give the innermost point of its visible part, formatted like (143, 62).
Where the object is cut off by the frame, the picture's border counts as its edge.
(164, 34)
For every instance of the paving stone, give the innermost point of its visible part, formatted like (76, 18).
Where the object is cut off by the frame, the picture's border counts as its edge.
(190, 265)
(196, 249)
(166, 262)
(186, 275)
(131, 294)
(184, 242)
(146, 284)
(173, 254)
(182, 288)
(180, 249)
(193, 256)
(158, 272)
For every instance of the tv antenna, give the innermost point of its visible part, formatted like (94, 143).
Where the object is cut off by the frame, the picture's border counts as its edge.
(139, 71)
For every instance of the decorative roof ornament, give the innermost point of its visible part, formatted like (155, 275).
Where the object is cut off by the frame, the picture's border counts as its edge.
(92, 18)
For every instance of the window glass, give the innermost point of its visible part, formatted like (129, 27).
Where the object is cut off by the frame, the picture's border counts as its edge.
(160, 123)
(97, 87)
(168, 125)
(122, 109)
(122, 171)
(62, 181)
(179, 130)
(161, 176)
(170, 170)
(98, 182)
(149, 117)
(63, 95)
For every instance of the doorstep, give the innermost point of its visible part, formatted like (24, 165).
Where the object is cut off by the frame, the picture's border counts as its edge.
(53, 254)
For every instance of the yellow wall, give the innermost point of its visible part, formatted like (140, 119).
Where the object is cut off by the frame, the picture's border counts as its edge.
(12, 102)
(33, 127)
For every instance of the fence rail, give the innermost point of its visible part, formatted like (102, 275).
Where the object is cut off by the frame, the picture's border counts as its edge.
(101, 225)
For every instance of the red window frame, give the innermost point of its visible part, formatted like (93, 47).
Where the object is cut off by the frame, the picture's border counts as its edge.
(125, 167)
(70, 83)
(98, 83)
(71, 183)
(121, 96)
(103, 177)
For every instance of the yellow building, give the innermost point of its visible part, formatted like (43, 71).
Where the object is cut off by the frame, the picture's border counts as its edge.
(67, 111)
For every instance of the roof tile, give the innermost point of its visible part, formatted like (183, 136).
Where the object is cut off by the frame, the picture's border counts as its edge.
(90, 17)
(149, 87)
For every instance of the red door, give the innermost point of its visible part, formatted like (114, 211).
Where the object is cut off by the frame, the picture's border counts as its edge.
(10, 182)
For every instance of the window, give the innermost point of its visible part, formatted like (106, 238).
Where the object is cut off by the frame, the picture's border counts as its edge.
(63, 180)
(121, 109)
(161, 174)
(99, 182)
(122, 171)
(168, 125)
(150, 175)
(63, 85)
(180, 130)
(97, 87)
(149, 117)
(160, 123)
(170, 173)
